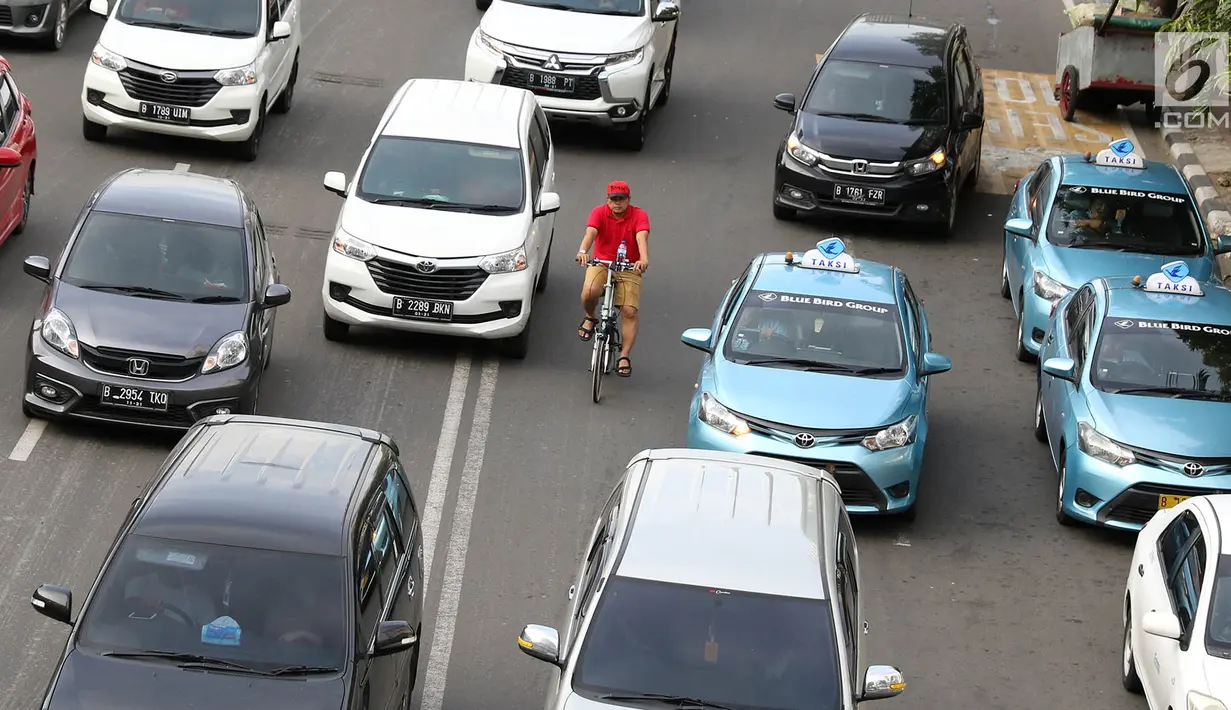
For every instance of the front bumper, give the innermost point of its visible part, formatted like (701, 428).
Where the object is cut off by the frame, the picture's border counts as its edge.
(230, 115)
(603, 98)
(26, 19)
(78, 388)
(924, 198)
(485, 306)
(1125, 498)
(1036, 316)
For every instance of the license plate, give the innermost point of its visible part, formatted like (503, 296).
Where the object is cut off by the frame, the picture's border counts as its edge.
(1169, 501)
(422, 309)
(552, 82)
(859, 194)
(134, 398)
(165, 114)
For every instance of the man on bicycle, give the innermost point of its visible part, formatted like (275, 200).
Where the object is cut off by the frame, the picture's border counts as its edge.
(609, 224)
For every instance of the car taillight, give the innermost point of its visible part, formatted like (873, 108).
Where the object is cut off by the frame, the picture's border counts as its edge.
(1017, 184)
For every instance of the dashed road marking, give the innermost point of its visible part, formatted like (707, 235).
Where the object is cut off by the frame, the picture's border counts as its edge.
(182, 167)
(28, 440)
(433, 509)
(901, 540)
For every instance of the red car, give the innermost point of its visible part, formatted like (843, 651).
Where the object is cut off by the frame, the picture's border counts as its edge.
(18, 155)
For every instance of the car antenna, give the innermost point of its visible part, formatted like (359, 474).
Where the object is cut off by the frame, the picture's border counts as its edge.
(910, 9)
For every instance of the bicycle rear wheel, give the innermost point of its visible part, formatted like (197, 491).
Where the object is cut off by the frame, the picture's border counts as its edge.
(598, 366)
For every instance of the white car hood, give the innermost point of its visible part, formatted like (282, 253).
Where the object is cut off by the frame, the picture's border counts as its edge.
(577, 702)
(433, 234)
(563, 31)
(185, 51)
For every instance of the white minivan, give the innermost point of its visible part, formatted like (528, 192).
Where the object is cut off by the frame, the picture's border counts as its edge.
(448, 223)
(208, 69)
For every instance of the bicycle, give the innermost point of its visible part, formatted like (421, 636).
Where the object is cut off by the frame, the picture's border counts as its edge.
(607, 338)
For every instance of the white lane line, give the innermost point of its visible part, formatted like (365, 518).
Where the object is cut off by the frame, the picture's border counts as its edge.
(29, 439)
(901, 540)
(443, 462)
(182, 167)
(459, 539)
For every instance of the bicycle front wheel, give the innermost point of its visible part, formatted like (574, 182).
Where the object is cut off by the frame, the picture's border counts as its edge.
(598, 367)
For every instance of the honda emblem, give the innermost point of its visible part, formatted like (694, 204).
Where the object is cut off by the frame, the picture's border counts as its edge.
(138, 366)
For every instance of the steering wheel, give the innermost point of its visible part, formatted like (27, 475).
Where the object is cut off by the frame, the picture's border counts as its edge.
(302, 638)
(145, 607)
(1132, 371)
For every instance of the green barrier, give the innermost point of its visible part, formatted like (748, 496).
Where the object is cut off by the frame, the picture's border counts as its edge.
(1147, 24)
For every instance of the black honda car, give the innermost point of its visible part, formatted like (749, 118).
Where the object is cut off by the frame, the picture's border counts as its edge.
(890, 125)
(160, 309)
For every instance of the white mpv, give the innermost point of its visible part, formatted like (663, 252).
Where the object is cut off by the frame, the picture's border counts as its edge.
(448, 223)
(208, 69)
(606, 63)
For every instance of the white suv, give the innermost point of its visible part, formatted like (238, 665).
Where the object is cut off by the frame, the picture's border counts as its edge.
(206, 69)
(600, 62)
(448, 224)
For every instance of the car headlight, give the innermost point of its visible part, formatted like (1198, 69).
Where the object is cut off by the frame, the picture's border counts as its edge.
(239, 76)
(1201, 701)
(492, 43)
(930, 164)
(892, 437)
(1092, 443)
(625, 58)
(1049, 288)
(346, 245)
(107, 59)
(229, 351)
(506, 263)
(720, 417)
(801, 152)
(59, 333)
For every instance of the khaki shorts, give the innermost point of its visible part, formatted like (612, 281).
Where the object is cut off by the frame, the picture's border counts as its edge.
(627, 285)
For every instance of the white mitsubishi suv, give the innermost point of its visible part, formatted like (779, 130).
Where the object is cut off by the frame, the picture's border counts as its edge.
(207, 69)
(448, 222)
(606, 63)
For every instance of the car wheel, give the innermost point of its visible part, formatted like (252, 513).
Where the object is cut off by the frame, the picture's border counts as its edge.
(335, 330)
(1040, 424)
(518, 346)
(666, 92)
(1061, 516)
(634, 133)
(1022, 354)
(26, 194)
(287, 97)
(972, 179)
(251, 148)
(54, 41)
(910, 513)
(1070, 96)
(786, 214)
(482, 4)
(1128, 666)
(1005, 288)
(541, 285)
(91, 131)
(945, 228)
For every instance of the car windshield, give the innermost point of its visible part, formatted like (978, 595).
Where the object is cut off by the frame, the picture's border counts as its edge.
(629, 8)
(227, 18)
(886, 92)
(442, 174)
(150, 257)
(1159, 223)
(1163, 358)
(735, 649)
(1218, 636)
(262, 609)
(791, 330)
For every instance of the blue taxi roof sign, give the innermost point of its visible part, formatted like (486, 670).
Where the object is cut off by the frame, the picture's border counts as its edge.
(1174, 279)
(1120, 154)
(829, 255)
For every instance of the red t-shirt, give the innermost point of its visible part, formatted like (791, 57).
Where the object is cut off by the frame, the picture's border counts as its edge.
(612, 231)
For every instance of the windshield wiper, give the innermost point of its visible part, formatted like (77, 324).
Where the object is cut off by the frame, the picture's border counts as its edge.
(415, 201)
(187, 658)
(1107, 246)
(301, 670)
(556, 6)
(664, 698)
(1175, 393)
(216, 32)
(136, 291)
(488, 208)
(216, 299)
(814, 366)
(858, 116)
(800, 361)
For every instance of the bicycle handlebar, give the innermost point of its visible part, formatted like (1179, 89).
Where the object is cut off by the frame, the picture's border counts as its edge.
(624, 265)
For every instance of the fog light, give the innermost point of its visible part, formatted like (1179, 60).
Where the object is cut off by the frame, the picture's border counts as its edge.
(921, 208)
(33, 19)
(1037, 335)
(94, 97)
(510, 309)
(1084, 499)
(795, 194)
(337, 291)
(899, 491)
(48, 392)
(222, 410)
(621, 111)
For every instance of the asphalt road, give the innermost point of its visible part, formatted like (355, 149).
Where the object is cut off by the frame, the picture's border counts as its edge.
(984, 601)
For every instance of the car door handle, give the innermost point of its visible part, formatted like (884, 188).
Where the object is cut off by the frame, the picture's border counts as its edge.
(572, 592)
(410, 587)
(1141, 570)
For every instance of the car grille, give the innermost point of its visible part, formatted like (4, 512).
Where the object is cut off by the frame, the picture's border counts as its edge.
(184, 91)
(442, 285)
(587, 86)
(6, 16)
(822, 437)
(1138, 504)
(857, 487)
(162, 367)
(175, 416)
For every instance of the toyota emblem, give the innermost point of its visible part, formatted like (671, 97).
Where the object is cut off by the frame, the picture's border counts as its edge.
(169, 77)
(138, 366)
(425, 266)
(804, 440)
(859, 166)
(1192, 469)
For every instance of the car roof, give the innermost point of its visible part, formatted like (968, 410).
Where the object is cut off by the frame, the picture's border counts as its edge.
(731, 521)
(467, 111)
(1156, 175)
(170, 194)
(1124, 300)
(262, 482)
(894, 39)
(1220, 505)
(874, 283)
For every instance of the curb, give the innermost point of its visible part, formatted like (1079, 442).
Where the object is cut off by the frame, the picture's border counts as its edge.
(1217, 218)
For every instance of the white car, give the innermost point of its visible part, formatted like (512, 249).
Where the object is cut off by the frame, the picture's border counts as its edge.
(211, 69)
(605, 63)
(1177, 608)
(448, 224)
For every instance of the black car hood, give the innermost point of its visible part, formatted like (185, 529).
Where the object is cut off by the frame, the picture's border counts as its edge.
(878, 142)
(147, 324)
(89, 682)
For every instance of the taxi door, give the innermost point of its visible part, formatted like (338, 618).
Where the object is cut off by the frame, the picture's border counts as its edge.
(1059, 396)
(18, 134)
(1021, 252)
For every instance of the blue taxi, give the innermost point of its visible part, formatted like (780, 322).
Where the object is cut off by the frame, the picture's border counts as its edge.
(1134, 395)
(1077, 218)
(821, 359)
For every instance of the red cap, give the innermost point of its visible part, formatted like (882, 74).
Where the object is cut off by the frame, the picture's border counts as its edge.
(618, 188)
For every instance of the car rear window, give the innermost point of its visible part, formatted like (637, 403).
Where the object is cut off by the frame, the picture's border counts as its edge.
(1121, 220)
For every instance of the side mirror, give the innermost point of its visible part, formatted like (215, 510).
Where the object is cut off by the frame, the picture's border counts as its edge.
(1162, 624)
(53, 602)
(667, 11)
(934, 364)
(548, 202)
(1020, 227)
(335, 182)
(785, 102)
(880, 682)
(276, 295)
(393, 637)
(1222, 244)
(280, 30)
(100, 7)
(38, 266)
(698, 338)
(541, 642)
(1061, 367)
(970, 121)
(9, 158)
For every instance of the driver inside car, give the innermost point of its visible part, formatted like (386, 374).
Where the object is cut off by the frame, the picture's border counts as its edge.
(765, 331)
(1120, 363)
(169, 592)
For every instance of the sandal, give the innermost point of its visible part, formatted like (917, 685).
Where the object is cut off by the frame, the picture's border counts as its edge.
(624, 370)
(586, 333)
